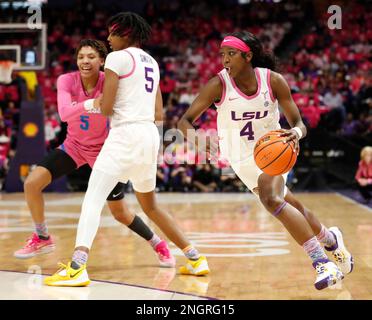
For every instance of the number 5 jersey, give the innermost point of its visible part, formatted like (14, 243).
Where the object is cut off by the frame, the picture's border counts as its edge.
(138, 83)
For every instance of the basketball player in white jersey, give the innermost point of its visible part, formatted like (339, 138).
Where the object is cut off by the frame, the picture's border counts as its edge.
(132, 97)
(247, 94)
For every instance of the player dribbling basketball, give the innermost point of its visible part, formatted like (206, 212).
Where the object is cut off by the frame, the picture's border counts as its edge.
(247, 94)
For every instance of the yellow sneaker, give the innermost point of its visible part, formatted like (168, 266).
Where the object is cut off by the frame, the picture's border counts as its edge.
(68, 277)
(197, 268)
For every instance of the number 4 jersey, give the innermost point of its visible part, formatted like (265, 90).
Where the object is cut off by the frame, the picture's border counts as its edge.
(138, 83)
(243, 119)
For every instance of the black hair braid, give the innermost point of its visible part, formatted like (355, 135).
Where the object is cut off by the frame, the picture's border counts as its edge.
(261, 58)
(131, 24)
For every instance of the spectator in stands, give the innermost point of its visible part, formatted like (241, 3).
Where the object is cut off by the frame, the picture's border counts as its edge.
(187, 96)
(167, 85)
(231, 183)
(5, 133)
(205, 179)
(181, 178)
(162, 177)
(364, 96)
(364, 174)
(349, 126)
(51, 127)
(11, 115)
(333, 99)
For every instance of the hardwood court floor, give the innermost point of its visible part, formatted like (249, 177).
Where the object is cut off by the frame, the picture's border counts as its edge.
(250, 254)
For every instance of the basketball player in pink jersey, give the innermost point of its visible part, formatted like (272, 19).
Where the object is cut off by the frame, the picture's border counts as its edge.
(132, 97)
(247, 94)
(86, 132)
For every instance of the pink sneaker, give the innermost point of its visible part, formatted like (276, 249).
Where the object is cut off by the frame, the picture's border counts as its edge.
(35, 246)
(165, 257)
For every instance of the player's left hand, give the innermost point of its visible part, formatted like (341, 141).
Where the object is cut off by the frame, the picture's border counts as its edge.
(291, 135)
(97, 102)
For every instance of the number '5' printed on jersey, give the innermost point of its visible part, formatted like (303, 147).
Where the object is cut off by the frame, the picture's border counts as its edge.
(149, 86)
(85, 123)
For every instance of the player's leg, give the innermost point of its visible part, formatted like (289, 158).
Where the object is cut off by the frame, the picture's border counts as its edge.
(197, 264)
(121, 212)
(331, 238)
(74, 273)
(313, 221)
(271, 193)
(33, 187)
(56, 164)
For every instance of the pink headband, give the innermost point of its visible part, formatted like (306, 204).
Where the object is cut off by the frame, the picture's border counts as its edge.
(236, 43)
(116, 26)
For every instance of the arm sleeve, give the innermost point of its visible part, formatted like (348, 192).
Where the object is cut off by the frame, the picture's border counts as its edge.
(121, 62)
(66, 109)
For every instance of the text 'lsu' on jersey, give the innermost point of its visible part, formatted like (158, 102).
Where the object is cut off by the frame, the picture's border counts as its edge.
(243, 119)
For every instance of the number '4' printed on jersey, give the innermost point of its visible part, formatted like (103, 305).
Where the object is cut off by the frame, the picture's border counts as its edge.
(247, 131)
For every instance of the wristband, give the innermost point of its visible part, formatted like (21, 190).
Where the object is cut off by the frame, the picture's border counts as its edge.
(89, 104)
(299, 132)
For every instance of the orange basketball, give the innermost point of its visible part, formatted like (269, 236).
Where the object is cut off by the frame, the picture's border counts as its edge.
(274, 156)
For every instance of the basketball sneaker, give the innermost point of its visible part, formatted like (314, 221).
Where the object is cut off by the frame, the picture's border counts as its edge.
(68, 277)
(35, 246)
(165, 257)
(328, 274)
(343, 258)
(197, 268)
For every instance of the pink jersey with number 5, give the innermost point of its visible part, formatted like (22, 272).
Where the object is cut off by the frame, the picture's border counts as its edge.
(86, 131)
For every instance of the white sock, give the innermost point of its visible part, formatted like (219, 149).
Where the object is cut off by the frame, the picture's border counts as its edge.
(155, 240)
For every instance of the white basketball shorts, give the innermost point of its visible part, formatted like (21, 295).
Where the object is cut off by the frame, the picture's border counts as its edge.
(130, 152)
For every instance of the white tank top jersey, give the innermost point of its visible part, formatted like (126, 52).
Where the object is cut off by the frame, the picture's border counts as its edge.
(138, 83)
(243, 119)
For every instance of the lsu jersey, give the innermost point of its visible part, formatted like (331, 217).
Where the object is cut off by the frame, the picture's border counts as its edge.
(243, 119)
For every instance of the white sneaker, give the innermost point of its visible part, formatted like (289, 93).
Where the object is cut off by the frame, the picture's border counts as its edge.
(328, 274)
(343, 258)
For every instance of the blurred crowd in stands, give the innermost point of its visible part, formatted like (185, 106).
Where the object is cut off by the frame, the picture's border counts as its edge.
(328, 70)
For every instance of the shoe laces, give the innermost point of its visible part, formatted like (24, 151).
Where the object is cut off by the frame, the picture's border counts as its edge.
(163, 251)
(320, 268)
(31, 241)
(339, 256)
(61, 266)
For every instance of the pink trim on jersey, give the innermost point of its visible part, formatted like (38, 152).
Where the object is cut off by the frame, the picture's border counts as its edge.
(258, 78)
(268, 77)
(133, 68)
(223, 90)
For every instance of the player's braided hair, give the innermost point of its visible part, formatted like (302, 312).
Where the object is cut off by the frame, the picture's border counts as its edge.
(131, 24)
(97, 45)
(261, 58)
